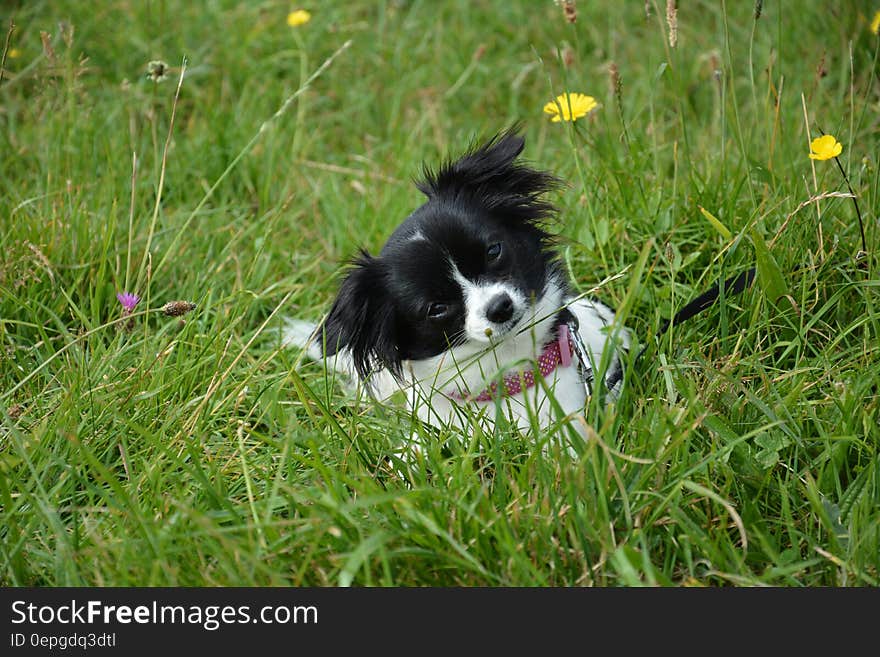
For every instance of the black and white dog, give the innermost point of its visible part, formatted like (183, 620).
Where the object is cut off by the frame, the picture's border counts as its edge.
(467, 308)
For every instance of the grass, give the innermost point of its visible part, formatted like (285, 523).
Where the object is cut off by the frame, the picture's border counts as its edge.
(149, 450)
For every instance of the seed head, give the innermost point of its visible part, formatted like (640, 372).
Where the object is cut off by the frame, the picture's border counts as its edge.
(177, 308)
(672, 21)
(157, 70)
(614, 80)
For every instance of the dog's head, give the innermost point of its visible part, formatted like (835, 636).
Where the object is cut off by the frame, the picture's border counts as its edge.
(467, 266)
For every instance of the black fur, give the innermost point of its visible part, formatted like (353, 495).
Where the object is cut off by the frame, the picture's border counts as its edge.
(383, 311)
(489, 176)
(362, 319)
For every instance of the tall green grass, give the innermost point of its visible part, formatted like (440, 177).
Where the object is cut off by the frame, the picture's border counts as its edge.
(152, 450)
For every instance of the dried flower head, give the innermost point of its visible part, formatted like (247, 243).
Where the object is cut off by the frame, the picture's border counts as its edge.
(48, 50)
(672, 21)
(570, 107)
(614, 81)
(157, 70)
(569, 10)
(66, 30)
(825, 148)
(177, 308)
(298, 17)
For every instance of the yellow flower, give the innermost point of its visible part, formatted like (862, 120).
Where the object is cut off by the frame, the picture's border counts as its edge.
(875, 24)
(825, 147)
(298, 17)
(574, 106)
(15, 52)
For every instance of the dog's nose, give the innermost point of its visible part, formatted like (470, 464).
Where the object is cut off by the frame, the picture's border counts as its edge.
(500, 308)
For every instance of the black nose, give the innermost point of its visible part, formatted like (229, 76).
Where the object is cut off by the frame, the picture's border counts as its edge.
(500, 308)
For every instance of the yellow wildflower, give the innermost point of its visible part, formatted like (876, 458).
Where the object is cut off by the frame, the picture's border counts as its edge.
(875, 24)
(572, 106)
(15, 52)
(825, 147)
(298, 17)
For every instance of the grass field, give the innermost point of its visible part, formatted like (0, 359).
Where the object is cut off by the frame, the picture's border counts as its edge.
(142, 449)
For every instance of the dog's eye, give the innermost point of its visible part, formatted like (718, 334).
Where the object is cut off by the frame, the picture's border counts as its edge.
(437, 310)
(493, 252)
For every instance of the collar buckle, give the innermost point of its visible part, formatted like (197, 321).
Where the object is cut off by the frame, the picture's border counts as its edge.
(580, 352)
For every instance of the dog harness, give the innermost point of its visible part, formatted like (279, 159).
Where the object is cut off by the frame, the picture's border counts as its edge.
(557, 353)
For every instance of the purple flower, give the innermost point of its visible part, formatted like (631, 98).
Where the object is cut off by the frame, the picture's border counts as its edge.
(128, 300)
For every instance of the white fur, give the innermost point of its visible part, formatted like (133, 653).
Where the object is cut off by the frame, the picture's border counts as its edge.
(478, 327)
(470, 367)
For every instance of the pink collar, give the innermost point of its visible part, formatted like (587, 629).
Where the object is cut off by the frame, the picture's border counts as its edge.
(555, 354)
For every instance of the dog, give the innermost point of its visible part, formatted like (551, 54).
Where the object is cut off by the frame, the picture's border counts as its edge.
(467, 308)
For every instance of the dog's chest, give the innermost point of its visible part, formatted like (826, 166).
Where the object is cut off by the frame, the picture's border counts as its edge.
(561, 393)
(451, 388)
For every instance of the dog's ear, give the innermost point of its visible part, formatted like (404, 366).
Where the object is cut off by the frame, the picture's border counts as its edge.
(490, 176)
(362, 319)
